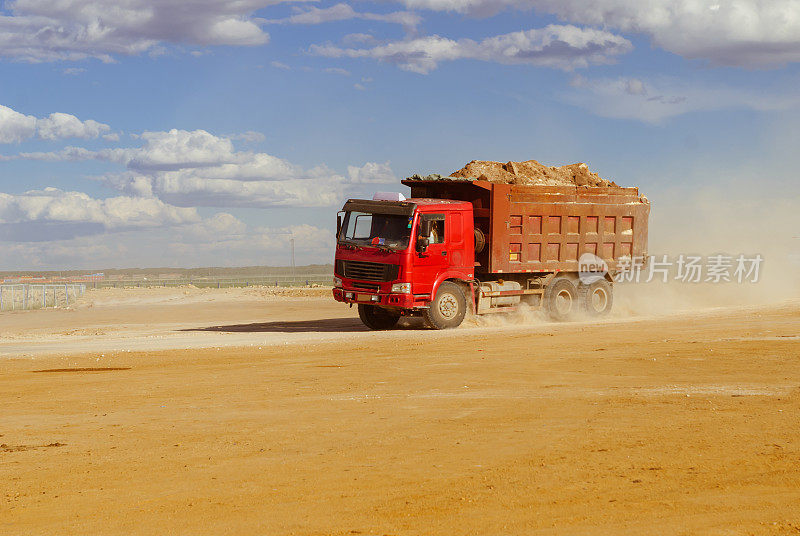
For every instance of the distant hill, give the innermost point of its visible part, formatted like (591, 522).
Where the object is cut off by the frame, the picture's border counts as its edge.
(180, 273)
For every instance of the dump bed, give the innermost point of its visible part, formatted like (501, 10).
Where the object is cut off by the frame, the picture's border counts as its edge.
(547, 228)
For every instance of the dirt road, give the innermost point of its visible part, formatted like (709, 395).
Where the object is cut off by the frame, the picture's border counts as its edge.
(681, 425)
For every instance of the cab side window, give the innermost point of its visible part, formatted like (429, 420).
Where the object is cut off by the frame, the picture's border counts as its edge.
(437, 227)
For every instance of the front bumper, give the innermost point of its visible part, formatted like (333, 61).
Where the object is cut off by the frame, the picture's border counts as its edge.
(401, 301)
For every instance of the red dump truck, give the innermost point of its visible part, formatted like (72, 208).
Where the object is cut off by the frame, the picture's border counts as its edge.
(460, 244)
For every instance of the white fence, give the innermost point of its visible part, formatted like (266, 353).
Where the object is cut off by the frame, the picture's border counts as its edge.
(25, 296)
(282, 280)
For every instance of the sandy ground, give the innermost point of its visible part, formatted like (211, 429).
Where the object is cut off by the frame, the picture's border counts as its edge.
(171, 318)
(281, 415)
(149, 319)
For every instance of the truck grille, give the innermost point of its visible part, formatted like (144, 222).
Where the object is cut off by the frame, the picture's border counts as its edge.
(367, 286)
(367, 271)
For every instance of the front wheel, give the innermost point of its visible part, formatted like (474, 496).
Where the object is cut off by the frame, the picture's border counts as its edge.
(448, 308)
(377, 319)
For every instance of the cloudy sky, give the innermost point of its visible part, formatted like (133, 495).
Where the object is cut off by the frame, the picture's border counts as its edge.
(202, 132)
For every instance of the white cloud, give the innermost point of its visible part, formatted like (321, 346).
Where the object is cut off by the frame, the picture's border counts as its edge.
(175, 149)
(339, 12)
(280, 65)
(556, 46)
(472, 7)
(52, 228)
(67, 154)
(42, 30)
(189, 189)
(236, 244)
(251, 136)
(359, 39)
(197, 168)
(60, 126)
(753, 33)
(653, 101)
(371, 172)
(16, 127)
(232, 243)
(221, 225)
(337, 70)
(37, 214)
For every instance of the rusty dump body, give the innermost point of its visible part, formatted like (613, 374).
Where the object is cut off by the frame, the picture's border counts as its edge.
(546, 229)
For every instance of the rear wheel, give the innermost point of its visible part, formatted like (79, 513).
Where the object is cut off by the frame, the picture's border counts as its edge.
(597, 298)
(561, 299)
(376, 318)
(448, 308)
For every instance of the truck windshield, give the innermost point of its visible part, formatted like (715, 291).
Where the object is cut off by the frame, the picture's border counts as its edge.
(380, 230)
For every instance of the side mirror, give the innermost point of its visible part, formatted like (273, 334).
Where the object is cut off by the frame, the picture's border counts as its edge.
(422, 243)
(338, 225)
(425, 227)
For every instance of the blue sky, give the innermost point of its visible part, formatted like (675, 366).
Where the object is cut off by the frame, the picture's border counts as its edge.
(189, 133)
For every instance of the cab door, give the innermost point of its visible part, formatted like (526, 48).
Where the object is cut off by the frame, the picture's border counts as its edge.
(435, 259)
(461, 257)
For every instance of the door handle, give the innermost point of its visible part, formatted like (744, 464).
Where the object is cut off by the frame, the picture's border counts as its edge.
(444, 254)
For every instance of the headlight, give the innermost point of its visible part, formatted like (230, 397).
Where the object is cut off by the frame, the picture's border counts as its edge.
(401, 288)
(337, 282)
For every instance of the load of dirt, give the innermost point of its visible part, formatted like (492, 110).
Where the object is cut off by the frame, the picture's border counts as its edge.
(531, 172)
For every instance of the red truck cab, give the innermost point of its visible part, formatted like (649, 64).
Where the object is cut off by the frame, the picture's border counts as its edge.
(392, 256)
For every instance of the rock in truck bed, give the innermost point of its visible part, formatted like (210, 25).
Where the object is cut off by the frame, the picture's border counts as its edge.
(531, 172)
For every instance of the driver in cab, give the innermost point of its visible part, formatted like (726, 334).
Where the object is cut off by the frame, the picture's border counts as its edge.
(436, 235)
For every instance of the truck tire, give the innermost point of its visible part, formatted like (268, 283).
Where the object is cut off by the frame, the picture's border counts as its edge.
(561, 299)
(377, 319)
(596, 298)
(448, 308)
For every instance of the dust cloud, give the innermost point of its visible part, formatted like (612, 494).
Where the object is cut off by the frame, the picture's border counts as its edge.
(737, 221)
